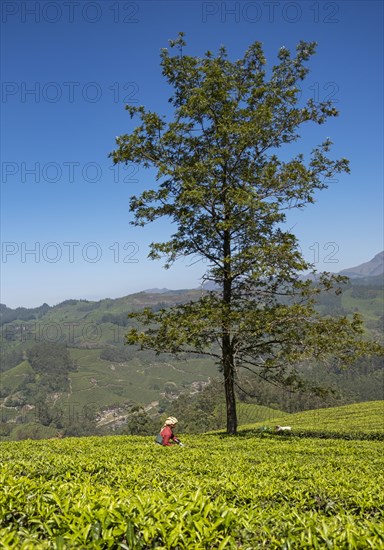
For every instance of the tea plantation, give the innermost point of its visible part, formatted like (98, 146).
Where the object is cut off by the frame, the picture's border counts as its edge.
(256, 490)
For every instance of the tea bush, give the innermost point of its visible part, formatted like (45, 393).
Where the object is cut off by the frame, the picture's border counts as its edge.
(216, 492)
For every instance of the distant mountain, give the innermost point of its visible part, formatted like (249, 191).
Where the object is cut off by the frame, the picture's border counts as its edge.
(7, 314)
(156, 290)
(210, 285)
(169, 291)
(373, 268)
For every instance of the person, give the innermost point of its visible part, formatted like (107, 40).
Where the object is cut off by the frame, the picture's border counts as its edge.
(166, 433)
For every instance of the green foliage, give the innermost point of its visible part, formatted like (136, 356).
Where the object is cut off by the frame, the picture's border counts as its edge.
(10, 358)
(217, 492)
(48, 357)
(118, 354)
(7, 315)
(121, 319)
(140, 423)
(15, 377)
(368, 302)
(33, 430)
(52, 363)
(199, 412)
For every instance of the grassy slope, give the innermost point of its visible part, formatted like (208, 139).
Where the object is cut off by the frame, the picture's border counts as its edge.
(141, 379)
(371, 308)
(105, 382)
(357, 418)
(13, 377)
(247, 413)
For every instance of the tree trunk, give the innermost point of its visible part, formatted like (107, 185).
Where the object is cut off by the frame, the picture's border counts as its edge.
(227, 351)
(229, 387)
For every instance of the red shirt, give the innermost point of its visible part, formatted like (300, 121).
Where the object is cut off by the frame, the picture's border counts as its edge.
(167, 434)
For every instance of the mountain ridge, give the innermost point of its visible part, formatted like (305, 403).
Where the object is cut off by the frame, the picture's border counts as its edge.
(373, 268)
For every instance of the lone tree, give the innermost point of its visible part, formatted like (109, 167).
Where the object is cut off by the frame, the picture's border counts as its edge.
(222, 184)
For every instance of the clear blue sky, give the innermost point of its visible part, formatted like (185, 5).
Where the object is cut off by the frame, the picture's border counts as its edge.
(68, 68)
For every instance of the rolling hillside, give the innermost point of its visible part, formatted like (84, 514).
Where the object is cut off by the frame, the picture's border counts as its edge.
(354, 420)
(109, 378)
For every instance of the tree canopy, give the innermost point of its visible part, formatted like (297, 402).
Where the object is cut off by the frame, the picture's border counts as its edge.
(224, 185)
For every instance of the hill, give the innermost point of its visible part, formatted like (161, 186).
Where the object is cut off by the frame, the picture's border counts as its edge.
(373, 268)
(357, 420)
(104, 380)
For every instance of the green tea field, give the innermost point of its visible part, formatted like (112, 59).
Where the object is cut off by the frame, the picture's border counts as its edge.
(256, 490)
(360, 420)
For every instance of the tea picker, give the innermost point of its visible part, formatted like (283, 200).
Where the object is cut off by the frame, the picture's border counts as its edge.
(166, 434)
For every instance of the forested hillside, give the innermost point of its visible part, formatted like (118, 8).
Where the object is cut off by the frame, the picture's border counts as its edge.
(65, 369)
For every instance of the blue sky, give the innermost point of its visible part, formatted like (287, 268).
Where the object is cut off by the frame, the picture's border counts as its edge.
(68, 68)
